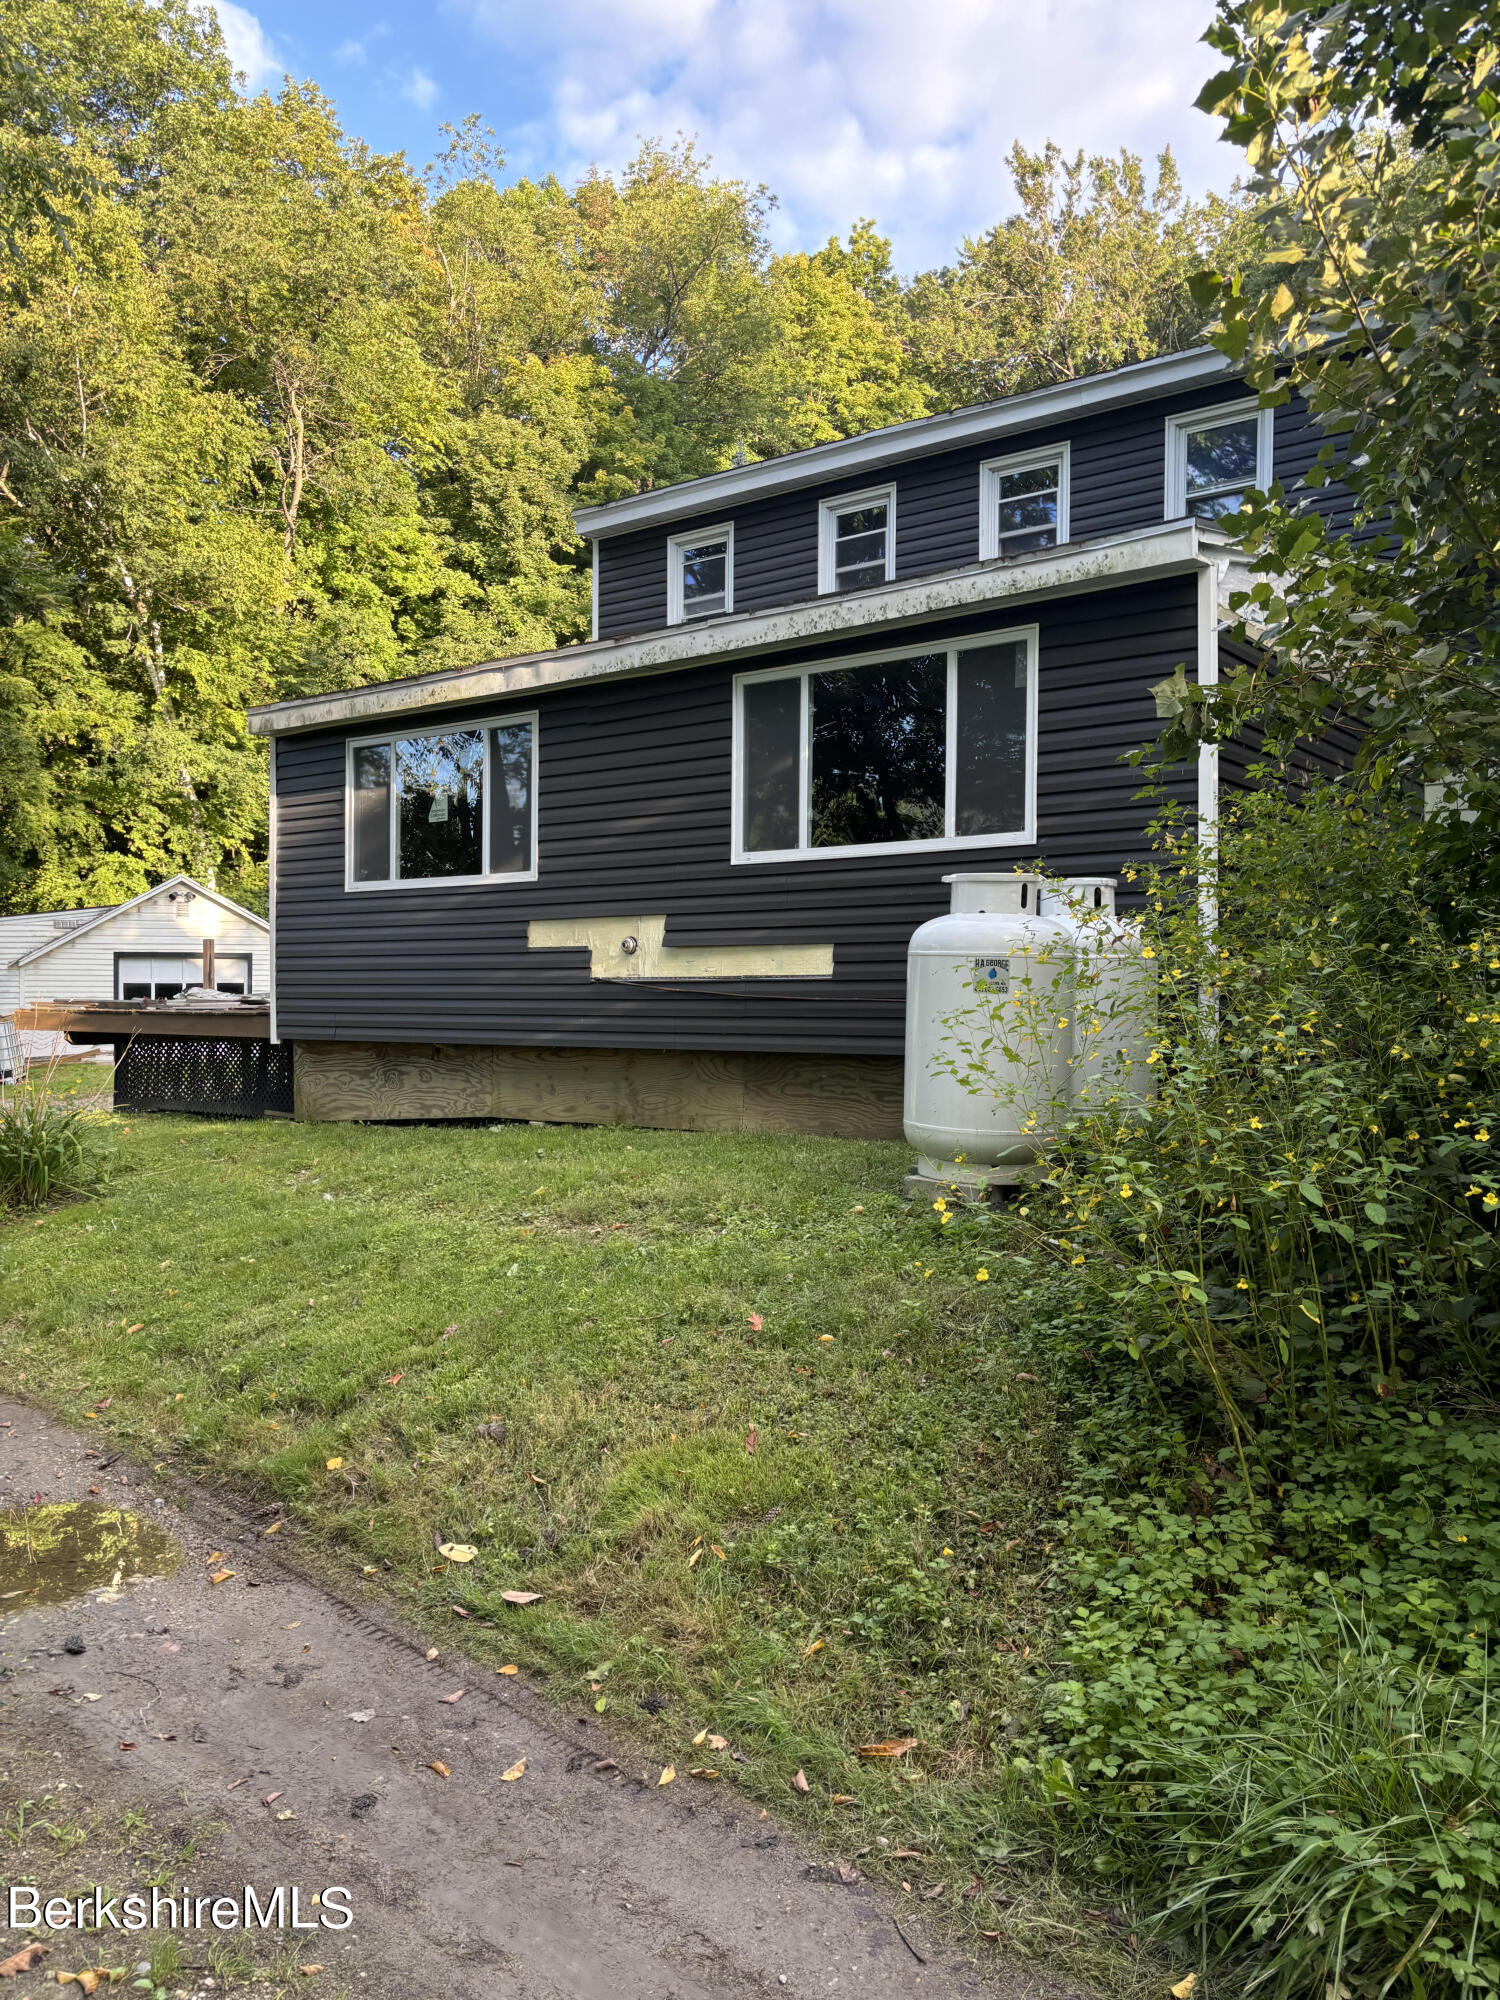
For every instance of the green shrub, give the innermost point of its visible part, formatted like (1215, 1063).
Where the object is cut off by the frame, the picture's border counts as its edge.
(1274, 1288)
(47, 1147)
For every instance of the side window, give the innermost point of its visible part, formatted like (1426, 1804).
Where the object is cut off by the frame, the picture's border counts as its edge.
(857, 540)
(1023, 503)
(1214, 457)
(451, 805)
(700, 574)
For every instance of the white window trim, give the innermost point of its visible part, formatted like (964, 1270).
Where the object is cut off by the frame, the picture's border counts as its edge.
(1175, 500)
(1060, 455)
(393, 736)
(676, 544)
(1021, 837)
(842, 503)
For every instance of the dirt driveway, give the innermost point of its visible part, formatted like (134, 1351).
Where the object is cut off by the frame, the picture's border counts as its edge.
(283, 1738)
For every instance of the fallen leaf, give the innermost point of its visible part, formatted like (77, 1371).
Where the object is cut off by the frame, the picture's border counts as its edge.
(392, 1380)
(91, 1697)
(844, 1799)
(457, 1552)
(236, 1784)
(270, 1798)
(139, 1327)
(457, 1695)
(718, 1552)
(361, 1715)
(757, 1324)
(750, 1441)
(694, 1558)
(1183, 1987)
(127, 1746)
(22, 1961)
(1031, 1378)
(701, 1737)
(216, 1557)
(458, 1611)
(936, 1890)
(507, 1670)
(537, 1480)
(222, 1575)
(668, 1773)
(699, 1772)
(521, 1596)
(910, 1854)
(307, 1971)
(286, 1813)
(517, 1770)
(848, 1874)
(276, 1527)
(431, 1653)
(718, 1742)
(800, 1784)
(816, 1647)
(895, 1746)
(606, 1764)
(163, 1739)
(441, 1768)
(333, 1464)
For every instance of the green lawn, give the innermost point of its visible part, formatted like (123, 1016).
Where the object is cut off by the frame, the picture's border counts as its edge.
(772, 1451)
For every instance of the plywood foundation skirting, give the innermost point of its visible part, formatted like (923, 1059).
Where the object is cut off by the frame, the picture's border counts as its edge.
(685, 1090)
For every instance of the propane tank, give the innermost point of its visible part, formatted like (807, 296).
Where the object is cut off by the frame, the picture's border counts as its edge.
(994, 970)
(1112, 1015)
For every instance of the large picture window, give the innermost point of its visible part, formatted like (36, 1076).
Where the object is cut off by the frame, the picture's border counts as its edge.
(926, 747)
(445, 805)
(1214, 457)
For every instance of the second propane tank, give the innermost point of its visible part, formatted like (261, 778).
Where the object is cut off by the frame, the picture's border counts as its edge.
(1111, 1014)
(995, 970)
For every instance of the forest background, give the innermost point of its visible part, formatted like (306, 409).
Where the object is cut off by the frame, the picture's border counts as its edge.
(280, 414)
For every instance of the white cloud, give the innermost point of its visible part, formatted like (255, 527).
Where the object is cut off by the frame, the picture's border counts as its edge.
(420, 89)
(353, 50)
(860, 107)
(250, 49)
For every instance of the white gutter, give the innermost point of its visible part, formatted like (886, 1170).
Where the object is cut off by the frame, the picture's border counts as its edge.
(853, 457)
(1171, 547)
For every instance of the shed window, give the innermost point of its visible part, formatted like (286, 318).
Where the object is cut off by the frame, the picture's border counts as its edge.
(895, 750)
(1023, 503)
(857, 540)
(453, 805)
(700, 574)
(1214, 457)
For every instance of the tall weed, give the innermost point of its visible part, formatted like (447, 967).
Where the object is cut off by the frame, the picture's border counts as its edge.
(48, 1146)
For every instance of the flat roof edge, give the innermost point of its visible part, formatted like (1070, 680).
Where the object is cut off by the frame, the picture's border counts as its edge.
(1076, 567)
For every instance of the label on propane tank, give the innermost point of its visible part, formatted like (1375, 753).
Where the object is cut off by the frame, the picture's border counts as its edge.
(991, 975)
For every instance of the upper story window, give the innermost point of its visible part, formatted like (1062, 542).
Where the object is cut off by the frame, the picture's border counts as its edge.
(700, 574)
(857, 539)
(449, 805)
(1023, 503)
(1214, 457)
(887, 752)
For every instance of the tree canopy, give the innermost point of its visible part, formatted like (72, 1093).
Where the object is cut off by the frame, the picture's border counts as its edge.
(279, 413)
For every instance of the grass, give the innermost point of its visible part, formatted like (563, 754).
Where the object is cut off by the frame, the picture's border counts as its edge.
(775, 1461)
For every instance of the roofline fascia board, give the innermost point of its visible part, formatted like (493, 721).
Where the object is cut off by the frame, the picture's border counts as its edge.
(846, 457)
(119, 910)
(1174, 546)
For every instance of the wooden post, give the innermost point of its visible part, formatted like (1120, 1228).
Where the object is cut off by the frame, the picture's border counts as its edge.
(208, 964)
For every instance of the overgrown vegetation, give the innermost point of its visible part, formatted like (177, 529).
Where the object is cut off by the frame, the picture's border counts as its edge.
(1276, 1296)
(51, 1144)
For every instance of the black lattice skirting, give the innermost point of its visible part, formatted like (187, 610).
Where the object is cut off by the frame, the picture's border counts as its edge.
(204, 1076)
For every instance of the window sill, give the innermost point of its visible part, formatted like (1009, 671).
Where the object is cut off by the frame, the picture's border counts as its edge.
(957, 844)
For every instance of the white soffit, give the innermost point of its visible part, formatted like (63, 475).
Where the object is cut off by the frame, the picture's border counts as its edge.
(1173, 546)
(873, 451)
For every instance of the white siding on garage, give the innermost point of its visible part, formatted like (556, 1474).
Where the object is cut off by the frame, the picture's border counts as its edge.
(85, 968)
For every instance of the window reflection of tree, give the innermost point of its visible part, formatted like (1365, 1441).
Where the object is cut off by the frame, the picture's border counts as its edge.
(441, 781)
(878, 736)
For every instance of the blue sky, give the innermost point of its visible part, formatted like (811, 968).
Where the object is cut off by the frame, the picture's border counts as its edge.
(890, 108)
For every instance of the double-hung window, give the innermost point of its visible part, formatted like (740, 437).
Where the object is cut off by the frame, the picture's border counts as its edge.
(930, 747)
(700, 574)
(443, 805)
(857, 540)
(1023, 503)
(1214, 457)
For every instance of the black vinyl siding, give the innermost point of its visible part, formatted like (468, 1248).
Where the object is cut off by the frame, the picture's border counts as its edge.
(1117, 480)
(634, 791)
